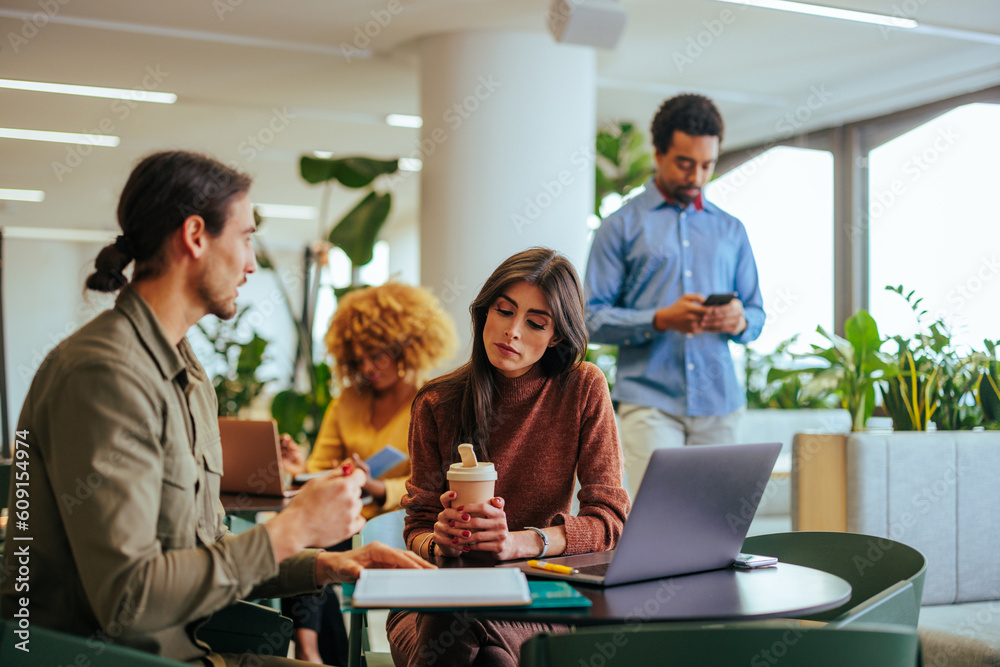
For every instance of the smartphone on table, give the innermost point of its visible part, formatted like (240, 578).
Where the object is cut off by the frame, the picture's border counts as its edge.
(753, 561)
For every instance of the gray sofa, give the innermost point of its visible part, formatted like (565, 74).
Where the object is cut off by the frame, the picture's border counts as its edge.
(940, 493)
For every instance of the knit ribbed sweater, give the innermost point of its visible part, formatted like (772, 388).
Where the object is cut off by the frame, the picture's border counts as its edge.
(544, 433)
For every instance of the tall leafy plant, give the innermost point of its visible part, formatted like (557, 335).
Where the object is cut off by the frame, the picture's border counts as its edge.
(775, 382)
(234, 365)
(854, 366)
(988, 388)
(300, 413)
(934, 380)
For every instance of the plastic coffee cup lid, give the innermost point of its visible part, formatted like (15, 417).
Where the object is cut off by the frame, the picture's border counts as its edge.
(470, 469)
(483, 472)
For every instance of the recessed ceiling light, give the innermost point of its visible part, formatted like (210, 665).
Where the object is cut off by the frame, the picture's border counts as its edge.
(829, 12)
(60, 137)
(410, 164)
(403, 120)
(286, 211)
(90, 91)
(22, 195)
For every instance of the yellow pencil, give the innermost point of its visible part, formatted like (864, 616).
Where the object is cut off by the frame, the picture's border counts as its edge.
(551, 567)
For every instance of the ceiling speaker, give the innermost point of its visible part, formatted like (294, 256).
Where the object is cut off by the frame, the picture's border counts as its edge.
(597, 23)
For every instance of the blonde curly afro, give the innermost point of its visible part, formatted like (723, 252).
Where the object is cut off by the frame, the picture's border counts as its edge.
(403, 321)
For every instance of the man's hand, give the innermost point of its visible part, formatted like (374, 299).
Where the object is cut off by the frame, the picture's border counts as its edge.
(684, 315)
(339, 566)
(728, 319)
(327, 510)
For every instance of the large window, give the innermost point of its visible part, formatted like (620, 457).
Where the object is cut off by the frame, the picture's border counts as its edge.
(933, 224)
(785, 199)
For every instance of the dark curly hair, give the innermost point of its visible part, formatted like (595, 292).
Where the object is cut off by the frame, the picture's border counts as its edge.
(695, 115)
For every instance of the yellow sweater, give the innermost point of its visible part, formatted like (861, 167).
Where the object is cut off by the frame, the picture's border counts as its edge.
(347, 430)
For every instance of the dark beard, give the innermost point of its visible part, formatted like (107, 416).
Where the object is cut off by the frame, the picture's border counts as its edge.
(223, 309)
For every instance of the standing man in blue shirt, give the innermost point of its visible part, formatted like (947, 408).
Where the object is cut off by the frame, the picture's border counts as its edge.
(652, 265)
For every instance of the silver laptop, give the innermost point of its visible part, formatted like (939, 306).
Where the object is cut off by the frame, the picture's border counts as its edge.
(691, 514)
(251, 458)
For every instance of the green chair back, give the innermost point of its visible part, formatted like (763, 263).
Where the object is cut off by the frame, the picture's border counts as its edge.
(50, 647)
(886, 577)
(783, 644)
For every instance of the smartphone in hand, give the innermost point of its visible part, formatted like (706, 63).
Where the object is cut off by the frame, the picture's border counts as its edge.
(718, 299)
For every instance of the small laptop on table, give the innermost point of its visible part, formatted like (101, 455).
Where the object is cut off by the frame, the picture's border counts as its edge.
(691, 514)
(251, 458)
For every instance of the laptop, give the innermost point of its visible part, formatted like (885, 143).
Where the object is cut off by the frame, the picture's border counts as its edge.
(691, 514)
(251, 458)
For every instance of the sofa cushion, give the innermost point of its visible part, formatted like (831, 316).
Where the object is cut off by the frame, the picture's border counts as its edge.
(936, 492)
(961, 635)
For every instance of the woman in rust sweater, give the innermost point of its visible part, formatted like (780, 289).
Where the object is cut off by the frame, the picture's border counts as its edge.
(543, 417)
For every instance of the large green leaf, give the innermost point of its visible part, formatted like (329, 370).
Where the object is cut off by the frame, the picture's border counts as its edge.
(608, 146)
(353, 172)
(862, 333)
(290, 409)
(355, 234)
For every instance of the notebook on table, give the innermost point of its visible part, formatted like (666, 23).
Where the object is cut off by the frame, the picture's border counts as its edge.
(691, 514)
(251, 458)
(444, 588)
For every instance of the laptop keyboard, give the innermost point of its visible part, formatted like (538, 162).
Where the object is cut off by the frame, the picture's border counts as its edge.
(597, 570)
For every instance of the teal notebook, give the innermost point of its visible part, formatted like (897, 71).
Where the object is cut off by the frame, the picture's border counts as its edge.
(544, 595)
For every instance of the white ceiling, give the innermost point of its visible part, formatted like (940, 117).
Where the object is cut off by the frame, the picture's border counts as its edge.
(234, 64)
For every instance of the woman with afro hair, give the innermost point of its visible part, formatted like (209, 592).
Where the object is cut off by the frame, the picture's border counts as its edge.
(384, 340)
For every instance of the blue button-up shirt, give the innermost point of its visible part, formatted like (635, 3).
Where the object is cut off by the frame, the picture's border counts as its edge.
(645, 256)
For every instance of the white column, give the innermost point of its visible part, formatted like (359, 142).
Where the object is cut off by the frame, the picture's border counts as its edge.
(507, 144)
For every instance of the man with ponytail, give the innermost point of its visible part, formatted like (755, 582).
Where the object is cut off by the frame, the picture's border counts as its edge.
(126, 535)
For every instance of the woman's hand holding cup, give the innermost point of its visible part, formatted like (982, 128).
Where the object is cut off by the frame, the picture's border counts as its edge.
(446, 536)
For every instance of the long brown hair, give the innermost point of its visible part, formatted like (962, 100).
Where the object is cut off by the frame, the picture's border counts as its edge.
(474, 384)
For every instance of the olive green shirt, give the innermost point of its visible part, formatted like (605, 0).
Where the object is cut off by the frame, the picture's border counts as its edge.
(127, 536)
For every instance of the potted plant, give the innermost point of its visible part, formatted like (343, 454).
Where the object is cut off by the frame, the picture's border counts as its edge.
(988, 388)
(854, 366)
(928, 380)
(933, 380)
(300, 413)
